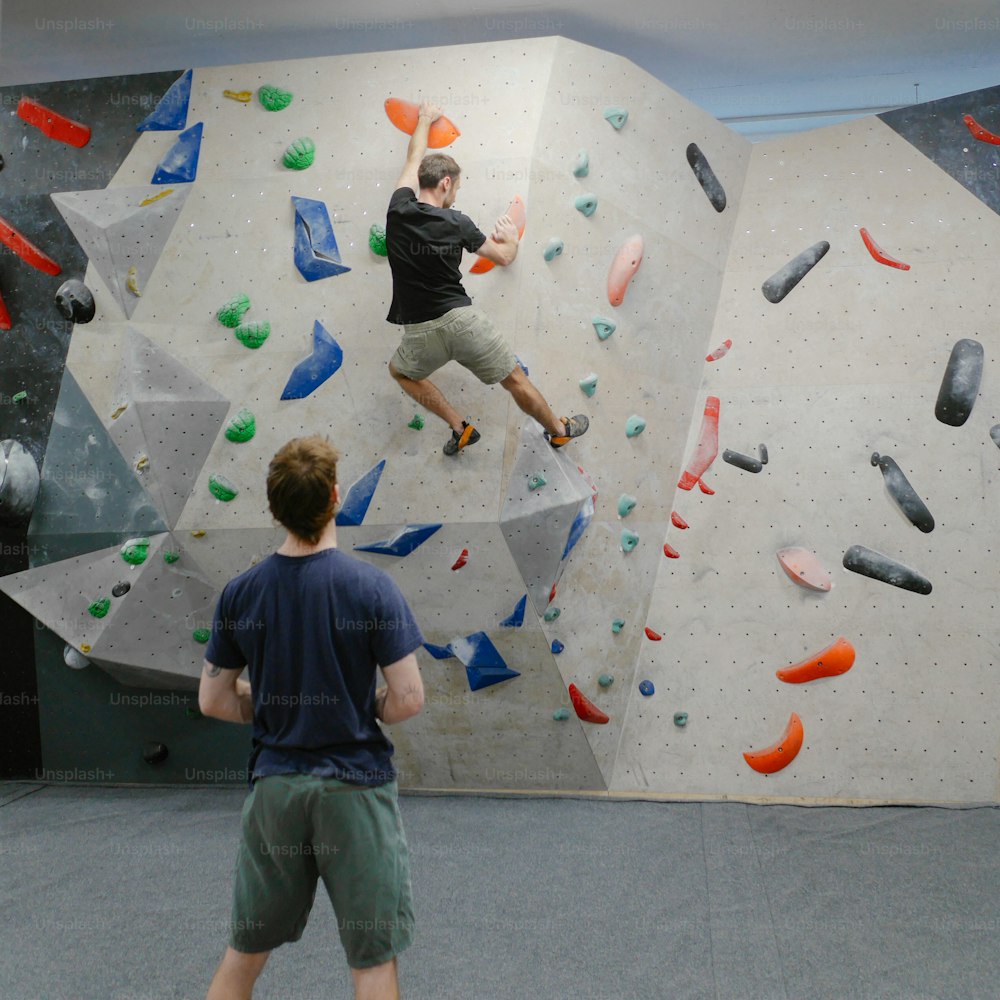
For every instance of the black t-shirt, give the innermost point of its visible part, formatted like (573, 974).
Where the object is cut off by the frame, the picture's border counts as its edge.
(425, 246)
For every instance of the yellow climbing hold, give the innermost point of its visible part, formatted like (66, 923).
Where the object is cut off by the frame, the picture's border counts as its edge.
(198, 534)
(85, 647)
(243, 96)
(132, 282)
(155, 197)
(142, 463)
(121, 409)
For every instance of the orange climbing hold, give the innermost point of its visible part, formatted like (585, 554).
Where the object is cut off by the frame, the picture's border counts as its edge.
(53, 124)
(519, 216)
(461, 560)
(980, 133)
(677, 521)
(650, 634)
(876, 251)
(805, 568)
(706, 449)
(623, 268)
(834, 660)
(403, 114)
(26, 250)
(670, 552)
(780, 754)
(585, 708)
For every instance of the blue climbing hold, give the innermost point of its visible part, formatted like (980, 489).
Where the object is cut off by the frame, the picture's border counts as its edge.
(180, 165)
(629, 540)
(359, 496)
(579, 525)
(646, 688)
(310, 373)
(439, 652)
(586, 204)
(557, 647)
(403, 542)
(516, 617)
(171, 109)
(316, 252)
(484, 665)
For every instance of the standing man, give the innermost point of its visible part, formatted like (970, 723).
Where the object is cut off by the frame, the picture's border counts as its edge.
(311, 624)
(425, 237)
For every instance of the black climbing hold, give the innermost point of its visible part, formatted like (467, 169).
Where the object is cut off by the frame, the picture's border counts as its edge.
(745, 462)
(2, 163)
(868, 562)
(762, 451)
(154, 753)
(782, 282)
(120, 589)
(706, 177)
(995, 434)
(960, 384)
(75, 301)
(903, 493)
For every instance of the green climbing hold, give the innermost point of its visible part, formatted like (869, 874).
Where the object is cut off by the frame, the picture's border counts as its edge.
(617, 625)
(589, 384)
(629, 540)
(604, 327)
(231, 314)
(626, 504)
(300, 154)
(135, 550)
(100, 607)
(554, 249)
(376, 240)
(617, 116)
(536, 481)
(582, 166)
(202, 634)
(221, 488)
(586, 203)
(19, 396)
(634, 426)
(169, 556)
(680, 718)
(241, 427)
(605, 680)
(192, 712)
(252, 335)
(552, 614)
(417, 423)
(274, 98)
(561, 714)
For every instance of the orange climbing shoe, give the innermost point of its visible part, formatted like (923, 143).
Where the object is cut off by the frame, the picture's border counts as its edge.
(575, 427)
(457, 441)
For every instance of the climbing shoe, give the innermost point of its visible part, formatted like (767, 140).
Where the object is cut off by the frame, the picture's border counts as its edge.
(575, 427)
(457, 441)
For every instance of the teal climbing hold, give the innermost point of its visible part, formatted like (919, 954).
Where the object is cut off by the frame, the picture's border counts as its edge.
(589, 384)
(586, 203)
(629, 540)
(231, 314)
(582, 166)
(552, 614)
(605, 680)
(617, 116)
(536, 481)
(604, 327)
(169, 556)
(252, 335)
(617, 625)
(221, 488)
(300, 154)
(376, 240)
(202, 634)
(634, 426)
(274, 98)
(417, 423)
(100, 607)
(241, 427)
(561, 714)
(680, 718)
(554, 249)
(135, 550)
(626, 504)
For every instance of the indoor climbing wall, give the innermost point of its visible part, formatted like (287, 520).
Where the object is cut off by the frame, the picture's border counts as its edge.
(608, 617)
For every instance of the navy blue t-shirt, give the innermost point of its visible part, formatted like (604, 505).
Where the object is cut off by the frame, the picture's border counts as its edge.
(310, 630)
(425, 245)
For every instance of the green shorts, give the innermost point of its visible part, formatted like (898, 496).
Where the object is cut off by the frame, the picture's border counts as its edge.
(463, 334)
(298, 828)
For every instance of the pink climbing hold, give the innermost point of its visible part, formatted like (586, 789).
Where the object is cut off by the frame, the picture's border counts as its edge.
(623, 268)
(706, 449)
(719, 352)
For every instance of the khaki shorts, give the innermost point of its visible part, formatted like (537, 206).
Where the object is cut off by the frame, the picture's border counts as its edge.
(299, 828)
(463, 334)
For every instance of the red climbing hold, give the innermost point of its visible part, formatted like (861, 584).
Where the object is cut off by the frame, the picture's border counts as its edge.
(705, 488)
(4, 316)
(719, 352)
(650, 634)
(552, 594)
(677, 521)
(585, 708)
(980, 133)
(53, 124)
(26, 250)
(462, 559)
(876, 251)
(706, 449)
(670, 552)
(519, 216)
